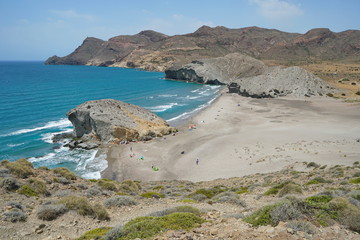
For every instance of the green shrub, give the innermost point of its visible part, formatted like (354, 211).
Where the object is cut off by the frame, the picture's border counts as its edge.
(357, 93)
(39, 186)
(158, 188)
(284, 211)
(319, 201)
(27, 191)
(146, 227)
(317, 180)
(242, 190)
(260, 217)
(107, 185)
(129, 186)
(275, 189)
(152, 195)
(21, 168)
(61, 180)
(82, 206)
(119, 201)
(357, 174)
(290, 188)
(101, 213)
(95, 234)
(50, 212)
(356, 181)
(64, 172)
(210, 192)
(168, 211)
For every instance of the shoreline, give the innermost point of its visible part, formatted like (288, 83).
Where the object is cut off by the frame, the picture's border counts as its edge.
(237, 136)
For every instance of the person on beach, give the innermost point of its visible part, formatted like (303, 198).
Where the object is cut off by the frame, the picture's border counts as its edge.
(197, 161)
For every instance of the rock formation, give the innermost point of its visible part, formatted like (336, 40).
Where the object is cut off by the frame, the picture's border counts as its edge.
(217, 71)
(155, 51)
(250, 77)
(111, 120)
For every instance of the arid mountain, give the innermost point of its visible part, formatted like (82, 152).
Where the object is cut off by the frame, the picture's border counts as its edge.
(155, 51)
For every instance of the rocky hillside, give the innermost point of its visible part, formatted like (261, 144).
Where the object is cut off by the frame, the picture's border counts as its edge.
(320, 202)
(250, 77)
(155, 51)
(112, 120)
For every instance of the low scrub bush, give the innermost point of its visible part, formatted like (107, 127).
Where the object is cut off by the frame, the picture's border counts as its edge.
(94, 234)
(188, 209)
(275, 189)
(242, 190)
(64, 172)
(39, 186)
(21, 168)
(312, 164)
(10, 184)
(50, 212)
(283, 212)
(94, 191)
(302, 226)
(317, 180)
(119, 201)
(152, 195)
(82, 206)
(230, 197)
(14, 204)
(290, 188)
(27, 191)
(61, 180)
(129, 186)
(356, 181)
(107, 185)
(209, 192)
(14, 216)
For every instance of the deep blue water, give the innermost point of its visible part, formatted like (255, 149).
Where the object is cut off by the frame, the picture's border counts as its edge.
(34, 99)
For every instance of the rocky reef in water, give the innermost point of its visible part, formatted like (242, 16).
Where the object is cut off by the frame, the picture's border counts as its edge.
(109, 120)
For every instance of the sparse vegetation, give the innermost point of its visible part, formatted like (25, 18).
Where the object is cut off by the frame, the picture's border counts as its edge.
(119, 201)
(129, 186)
(317, 180)
(10, 184)
(188, 209)
(14, 216)
(21, 168)
(152, 195)
(27, 191)
(107, 184)
(96, 233)
(64, 172)
(50, 212)
(82, 206)
(355, 180)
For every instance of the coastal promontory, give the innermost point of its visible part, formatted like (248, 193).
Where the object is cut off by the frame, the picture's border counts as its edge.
(112, 120)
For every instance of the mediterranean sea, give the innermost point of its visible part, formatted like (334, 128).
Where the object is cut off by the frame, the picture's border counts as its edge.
(34, 99)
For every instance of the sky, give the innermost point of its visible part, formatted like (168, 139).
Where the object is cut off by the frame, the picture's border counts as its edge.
(38, 29)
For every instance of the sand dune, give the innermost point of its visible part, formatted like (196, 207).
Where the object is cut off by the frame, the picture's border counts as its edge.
(237, 136)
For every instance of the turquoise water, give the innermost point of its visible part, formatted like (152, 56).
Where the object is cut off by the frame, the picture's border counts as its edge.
(34, 99)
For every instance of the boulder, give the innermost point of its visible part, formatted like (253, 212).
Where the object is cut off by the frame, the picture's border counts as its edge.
(112, 120)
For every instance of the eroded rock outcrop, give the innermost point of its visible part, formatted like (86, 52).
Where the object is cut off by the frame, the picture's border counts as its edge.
(111, 120)
(218, 71)
(251, 78)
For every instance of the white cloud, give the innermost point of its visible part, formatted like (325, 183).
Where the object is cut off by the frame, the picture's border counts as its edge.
(72, 14)
(277, 9)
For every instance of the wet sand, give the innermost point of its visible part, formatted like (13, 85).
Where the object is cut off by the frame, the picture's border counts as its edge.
(237, 136)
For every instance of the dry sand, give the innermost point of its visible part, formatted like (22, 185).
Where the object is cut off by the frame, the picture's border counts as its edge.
(237, 136)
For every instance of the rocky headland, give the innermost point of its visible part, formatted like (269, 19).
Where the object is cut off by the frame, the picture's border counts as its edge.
(109, 120)
(155, 51)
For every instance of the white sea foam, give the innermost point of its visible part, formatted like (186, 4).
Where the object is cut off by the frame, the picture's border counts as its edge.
(186, 115)
(93, 166)
(162, 108)
(52, 124)
(168, 95)
(47, 137)
(14, 144)
(42, 158)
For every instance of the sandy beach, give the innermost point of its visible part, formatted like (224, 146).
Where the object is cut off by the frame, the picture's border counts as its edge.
(237, 136)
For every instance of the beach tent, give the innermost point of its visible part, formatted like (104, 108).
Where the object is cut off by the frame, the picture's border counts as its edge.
(155, 169)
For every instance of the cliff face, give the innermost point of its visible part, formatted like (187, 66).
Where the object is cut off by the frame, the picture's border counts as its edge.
(250, 77)
(112, 120)
(155, 51)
